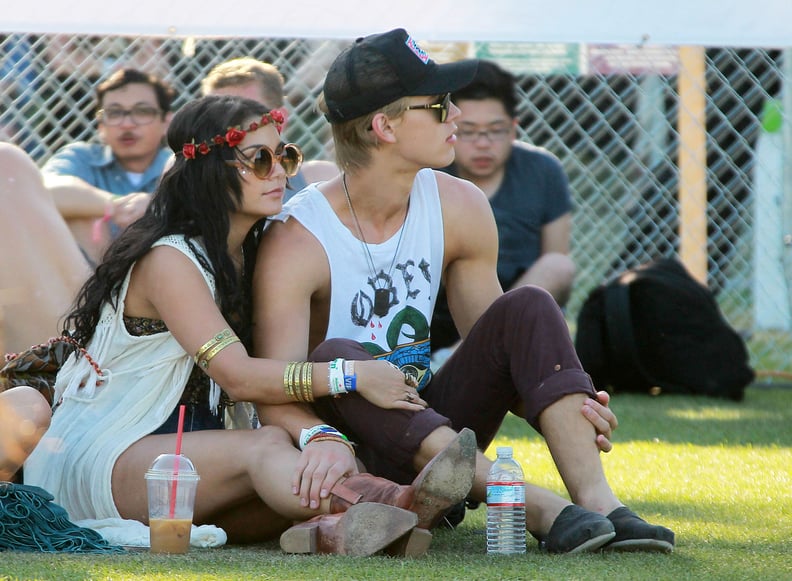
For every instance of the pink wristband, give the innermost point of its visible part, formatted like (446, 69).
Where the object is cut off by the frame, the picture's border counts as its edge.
(96, 231)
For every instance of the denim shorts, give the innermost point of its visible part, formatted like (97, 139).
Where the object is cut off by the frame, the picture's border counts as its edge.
(196, 417)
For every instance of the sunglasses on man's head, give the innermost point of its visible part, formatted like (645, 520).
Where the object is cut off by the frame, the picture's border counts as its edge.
(263, 160)
(442, 107)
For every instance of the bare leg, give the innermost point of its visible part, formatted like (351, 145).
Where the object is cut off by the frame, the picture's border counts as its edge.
(41, 260)
(24, 417)
(237, 468)
(250, 522)
(571, 440)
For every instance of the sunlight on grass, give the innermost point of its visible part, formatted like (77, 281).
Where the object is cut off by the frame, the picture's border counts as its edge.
(719, 473)
(710, 470)
(743, 489)
(721, 414)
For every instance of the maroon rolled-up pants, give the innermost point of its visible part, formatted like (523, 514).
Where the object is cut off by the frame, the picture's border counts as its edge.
(518, 356)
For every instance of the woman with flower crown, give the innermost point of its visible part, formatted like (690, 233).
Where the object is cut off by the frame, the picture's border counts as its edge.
(165, 322)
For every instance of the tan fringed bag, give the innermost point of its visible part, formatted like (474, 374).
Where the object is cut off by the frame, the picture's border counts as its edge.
(38, 366)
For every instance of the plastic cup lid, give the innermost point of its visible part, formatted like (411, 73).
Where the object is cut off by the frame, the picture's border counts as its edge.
(166, 464)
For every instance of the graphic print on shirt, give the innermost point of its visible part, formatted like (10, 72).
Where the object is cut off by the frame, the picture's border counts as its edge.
(364, 308)
(406, 333)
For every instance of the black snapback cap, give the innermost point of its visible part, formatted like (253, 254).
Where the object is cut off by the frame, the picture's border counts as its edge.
(382, 68)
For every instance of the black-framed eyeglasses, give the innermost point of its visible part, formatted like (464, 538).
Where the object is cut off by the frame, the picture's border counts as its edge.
(263, 160)
(139, 115)
(492, 134)
(442, 107)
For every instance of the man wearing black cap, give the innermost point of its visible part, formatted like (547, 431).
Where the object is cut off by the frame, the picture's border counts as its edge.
(355, 274)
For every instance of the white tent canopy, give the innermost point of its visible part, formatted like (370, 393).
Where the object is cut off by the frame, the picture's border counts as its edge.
(760, 23)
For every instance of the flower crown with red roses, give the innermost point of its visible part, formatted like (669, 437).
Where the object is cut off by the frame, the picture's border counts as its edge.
(233, 136)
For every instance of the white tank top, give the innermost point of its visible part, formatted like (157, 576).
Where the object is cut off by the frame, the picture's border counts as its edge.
(389, 309)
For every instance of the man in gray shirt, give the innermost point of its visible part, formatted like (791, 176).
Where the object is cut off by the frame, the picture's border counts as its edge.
(526, 187)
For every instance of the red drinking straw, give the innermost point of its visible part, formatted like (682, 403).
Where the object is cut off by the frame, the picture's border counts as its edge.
(179, 433)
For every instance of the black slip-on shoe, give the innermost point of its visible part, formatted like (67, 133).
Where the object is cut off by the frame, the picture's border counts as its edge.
(635, 534)
(577, 530)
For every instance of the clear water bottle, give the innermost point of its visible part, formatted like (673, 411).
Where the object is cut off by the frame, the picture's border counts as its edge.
(505, 505)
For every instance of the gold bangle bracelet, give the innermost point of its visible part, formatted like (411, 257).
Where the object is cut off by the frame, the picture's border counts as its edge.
(219, 347)
(293, 387)
(224, 334)
(286, 378)
(305, 384)
(216, 349)
(288, 387)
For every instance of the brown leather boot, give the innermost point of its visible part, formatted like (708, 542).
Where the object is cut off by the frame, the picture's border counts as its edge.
(369, 488)
(414, 544)
(444, 481)
(363, 530)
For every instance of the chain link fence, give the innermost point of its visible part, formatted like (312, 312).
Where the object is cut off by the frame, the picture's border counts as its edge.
(610, 113)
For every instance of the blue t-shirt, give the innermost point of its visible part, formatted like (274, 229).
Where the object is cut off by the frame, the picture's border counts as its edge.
(95, 164)
(533, 193)
(294, 185)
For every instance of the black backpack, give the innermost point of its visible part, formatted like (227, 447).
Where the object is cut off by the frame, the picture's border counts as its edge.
(656, 329)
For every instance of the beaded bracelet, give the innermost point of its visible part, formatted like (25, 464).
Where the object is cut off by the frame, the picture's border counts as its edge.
(335, 377)
(325, 433)
(334, 438)
(306, 434)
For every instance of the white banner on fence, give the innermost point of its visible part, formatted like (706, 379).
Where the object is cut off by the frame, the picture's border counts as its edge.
(759, 23)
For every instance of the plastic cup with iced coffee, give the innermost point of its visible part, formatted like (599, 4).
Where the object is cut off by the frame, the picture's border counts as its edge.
(171, 483)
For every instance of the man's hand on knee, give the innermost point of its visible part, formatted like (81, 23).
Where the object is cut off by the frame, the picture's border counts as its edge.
(602, 418)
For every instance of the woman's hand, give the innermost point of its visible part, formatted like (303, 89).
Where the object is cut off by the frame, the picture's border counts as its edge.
(321, 465)
(384, 385)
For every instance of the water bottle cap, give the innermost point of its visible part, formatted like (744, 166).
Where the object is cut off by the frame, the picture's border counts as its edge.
(504, 450)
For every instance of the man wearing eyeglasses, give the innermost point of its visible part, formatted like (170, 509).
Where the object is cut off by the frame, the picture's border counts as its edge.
(351, 270)
(100, 188)
(65, 214)
(527, 189)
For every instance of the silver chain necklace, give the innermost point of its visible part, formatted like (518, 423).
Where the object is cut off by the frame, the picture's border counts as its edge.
(383, 299)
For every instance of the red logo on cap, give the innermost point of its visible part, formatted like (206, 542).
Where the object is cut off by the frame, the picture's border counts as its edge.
(417, 50)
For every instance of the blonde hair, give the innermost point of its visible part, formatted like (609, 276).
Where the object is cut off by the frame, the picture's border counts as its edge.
(244, 70)
(354, 139)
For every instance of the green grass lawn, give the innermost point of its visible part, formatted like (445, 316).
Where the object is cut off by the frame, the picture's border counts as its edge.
(718, 473)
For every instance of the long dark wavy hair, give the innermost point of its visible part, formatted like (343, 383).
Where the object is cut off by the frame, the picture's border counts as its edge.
(194, 198)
